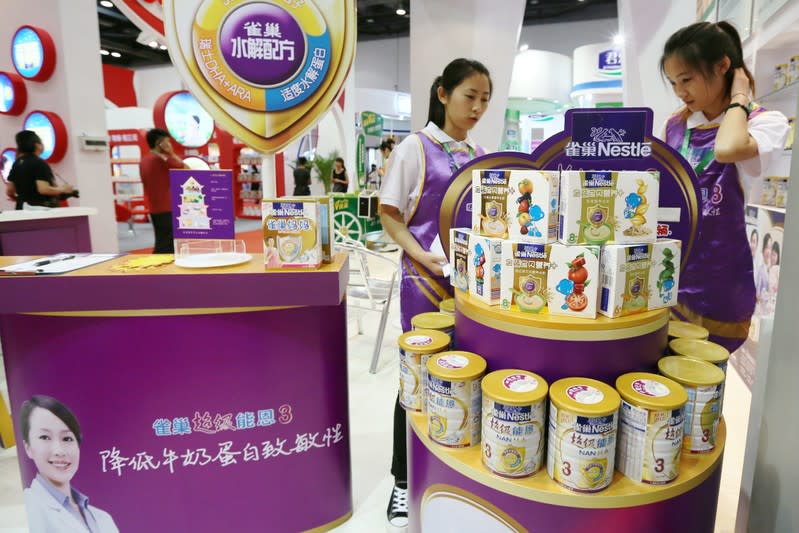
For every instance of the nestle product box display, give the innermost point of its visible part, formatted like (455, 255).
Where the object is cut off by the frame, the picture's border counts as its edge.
(483, 267)
(639, 277)
(608, 207)
(327, 225)
(518, 204)
(459, 258)
(551, 278)
(292, 233)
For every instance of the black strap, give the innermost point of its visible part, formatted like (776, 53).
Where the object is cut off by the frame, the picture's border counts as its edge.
(736, 104)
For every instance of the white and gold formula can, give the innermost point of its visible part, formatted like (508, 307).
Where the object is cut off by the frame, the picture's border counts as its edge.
(415, 345)
(713, 353)
(679, 329)
(583, 419)
(651, 421)
(454, 400)
(435, 320)
(447, 306)
(514, 407)
(702, 382)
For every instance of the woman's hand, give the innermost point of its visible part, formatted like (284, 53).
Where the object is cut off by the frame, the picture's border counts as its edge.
(432, 262)
(739, 91)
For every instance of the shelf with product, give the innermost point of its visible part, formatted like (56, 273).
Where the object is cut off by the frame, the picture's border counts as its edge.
(247, 182)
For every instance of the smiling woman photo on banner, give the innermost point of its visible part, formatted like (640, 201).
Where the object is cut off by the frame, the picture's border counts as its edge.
(52, 437)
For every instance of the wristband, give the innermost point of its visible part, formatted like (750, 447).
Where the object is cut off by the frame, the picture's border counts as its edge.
(736, 104)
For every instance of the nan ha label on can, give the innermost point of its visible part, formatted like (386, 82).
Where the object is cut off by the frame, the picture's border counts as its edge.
(702, 382)
(414, 345)
(453, 408)
(514, 407)
(583, 419)
(651, 422)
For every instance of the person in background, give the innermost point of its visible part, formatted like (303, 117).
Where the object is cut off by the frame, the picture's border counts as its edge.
(154, 171)
(339, 177)
(730, 141)
(31, 180)
(386, 147)
(373, 177)
(427, 160)
(52, 438)
(302, 178)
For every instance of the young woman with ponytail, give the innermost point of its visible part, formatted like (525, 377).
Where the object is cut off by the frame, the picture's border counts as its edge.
(730, 141)
(420, 171)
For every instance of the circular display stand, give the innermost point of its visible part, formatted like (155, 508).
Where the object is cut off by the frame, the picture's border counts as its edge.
(451, 486)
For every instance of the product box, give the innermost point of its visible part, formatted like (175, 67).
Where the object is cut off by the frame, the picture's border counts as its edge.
(292, 232)
(639, 277)
(518, 204)
(326, 222)
(780, 192)
(483, 268)
(606, 207)
(459, 258)
(768, 194)
(552, 278)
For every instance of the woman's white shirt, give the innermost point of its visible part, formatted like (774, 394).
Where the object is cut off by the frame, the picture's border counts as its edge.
(47, 515)
(403, 179)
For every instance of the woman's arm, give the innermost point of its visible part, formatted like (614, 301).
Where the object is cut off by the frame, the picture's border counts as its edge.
(346, 180)
(733, 142)
(394, 224)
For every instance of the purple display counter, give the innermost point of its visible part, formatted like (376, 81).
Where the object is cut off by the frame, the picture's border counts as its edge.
(450, 490)
(211, 400)
(45, 232)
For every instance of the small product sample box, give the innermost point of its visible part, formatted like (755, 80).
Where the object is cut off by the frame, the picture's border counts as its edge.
(608, 207)
(483, 268)
(552, 278)
(639, 277)
(516, 204)
(459, 258)
(292, 233)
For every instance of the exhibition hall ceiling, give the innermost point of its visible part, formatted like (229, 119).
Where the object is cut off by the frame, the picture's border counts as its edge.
(124, 44)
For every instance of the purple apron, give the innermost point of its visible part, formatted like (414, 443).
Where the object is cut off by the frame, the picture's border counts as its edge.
(717, 289)
(421, 291)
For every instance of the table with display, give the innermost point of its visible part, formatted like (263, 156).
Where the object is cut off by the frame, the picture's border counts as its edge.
(452, 484)
(209, 400)
(39, 232)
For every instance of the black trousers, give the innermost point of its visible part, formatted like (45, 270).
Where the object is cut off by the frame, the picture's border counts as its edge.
(399, 459)
(162, 225)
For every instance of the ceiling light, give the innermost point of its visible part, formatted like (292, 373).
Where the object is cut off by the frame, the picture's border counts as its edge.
(162, 47)
(104, 52)
(116, 54)
(524, 47)
(106, 3)
(370, 21)
(401, 12)
(153, 44)
(618, 39)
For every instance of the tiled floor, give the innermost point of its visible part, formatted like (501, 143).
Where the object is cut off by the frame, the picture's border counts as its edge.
(371, 405)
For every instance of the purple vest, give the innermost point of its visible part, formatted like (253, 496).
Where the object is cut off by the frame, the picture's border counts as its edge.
(421, 291)
(717, 289)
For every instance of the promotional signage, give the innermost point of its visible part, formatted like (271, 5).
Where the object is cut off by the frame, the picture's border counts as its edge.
(7, 158)
(184, 118)
(596, 139)
(33, 53)
(372, 123)
(609, 62)
(202, 204)
(51, 130)
(360, 153)
(265, 70)
(13, 95)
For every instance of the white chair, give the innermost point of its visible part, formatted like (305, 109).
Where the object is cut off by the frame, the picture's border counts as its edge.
(365, 287)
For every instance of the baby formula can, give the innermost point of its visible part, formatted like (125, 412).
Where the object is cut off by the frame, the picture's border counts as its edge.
(447, 306)
(583, 418)
(453, 407)
(438, 321)
(514, 405)
(651, 421)
(413, 346)
(686, 330)
(702, 382)
(713, 353)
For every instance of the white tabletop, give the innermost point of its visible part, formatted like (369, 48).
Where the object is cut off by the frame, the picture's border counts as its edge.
(58, 212)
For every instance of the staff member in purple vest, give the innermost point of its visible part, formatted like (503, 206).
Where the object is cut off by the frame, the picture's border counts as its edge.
(730, 141)
(420, 172)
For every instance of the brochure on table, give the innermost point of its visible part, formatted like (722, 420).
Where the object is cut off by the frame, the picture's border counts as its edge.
(203, 219)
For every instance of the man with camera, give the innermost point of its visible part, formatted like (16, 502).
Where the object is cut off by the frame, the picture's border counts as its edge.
(31, 180)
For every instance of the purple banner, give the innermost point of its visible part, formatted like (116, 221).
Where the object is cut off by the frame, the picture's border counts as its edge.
(202, 204)
(216, 422)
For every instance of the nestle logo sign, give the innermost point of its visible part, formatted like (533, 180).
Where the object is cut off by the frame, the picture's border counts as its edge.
(638, 253)
(531, 251)
(608, 135)
(598, 179)
(493, 178)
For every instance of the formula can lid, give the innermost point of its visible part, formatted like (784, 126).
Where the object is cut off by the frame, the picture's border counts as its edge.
(514, 387)
(424, 341)
(704, 350)
(447, 306)
(584, 396)
(690, 371)
(651, 391)
(434, 320)
(686, 330)
(456, 365)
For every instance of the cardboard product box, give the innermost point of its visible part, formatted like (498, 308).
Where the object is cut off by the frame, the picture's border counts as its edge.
(550, 278)
(518, 204)
(608, 207)
(328, 228)
(292, 232)
(639, 277)
(484, 264)
(459, 258)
